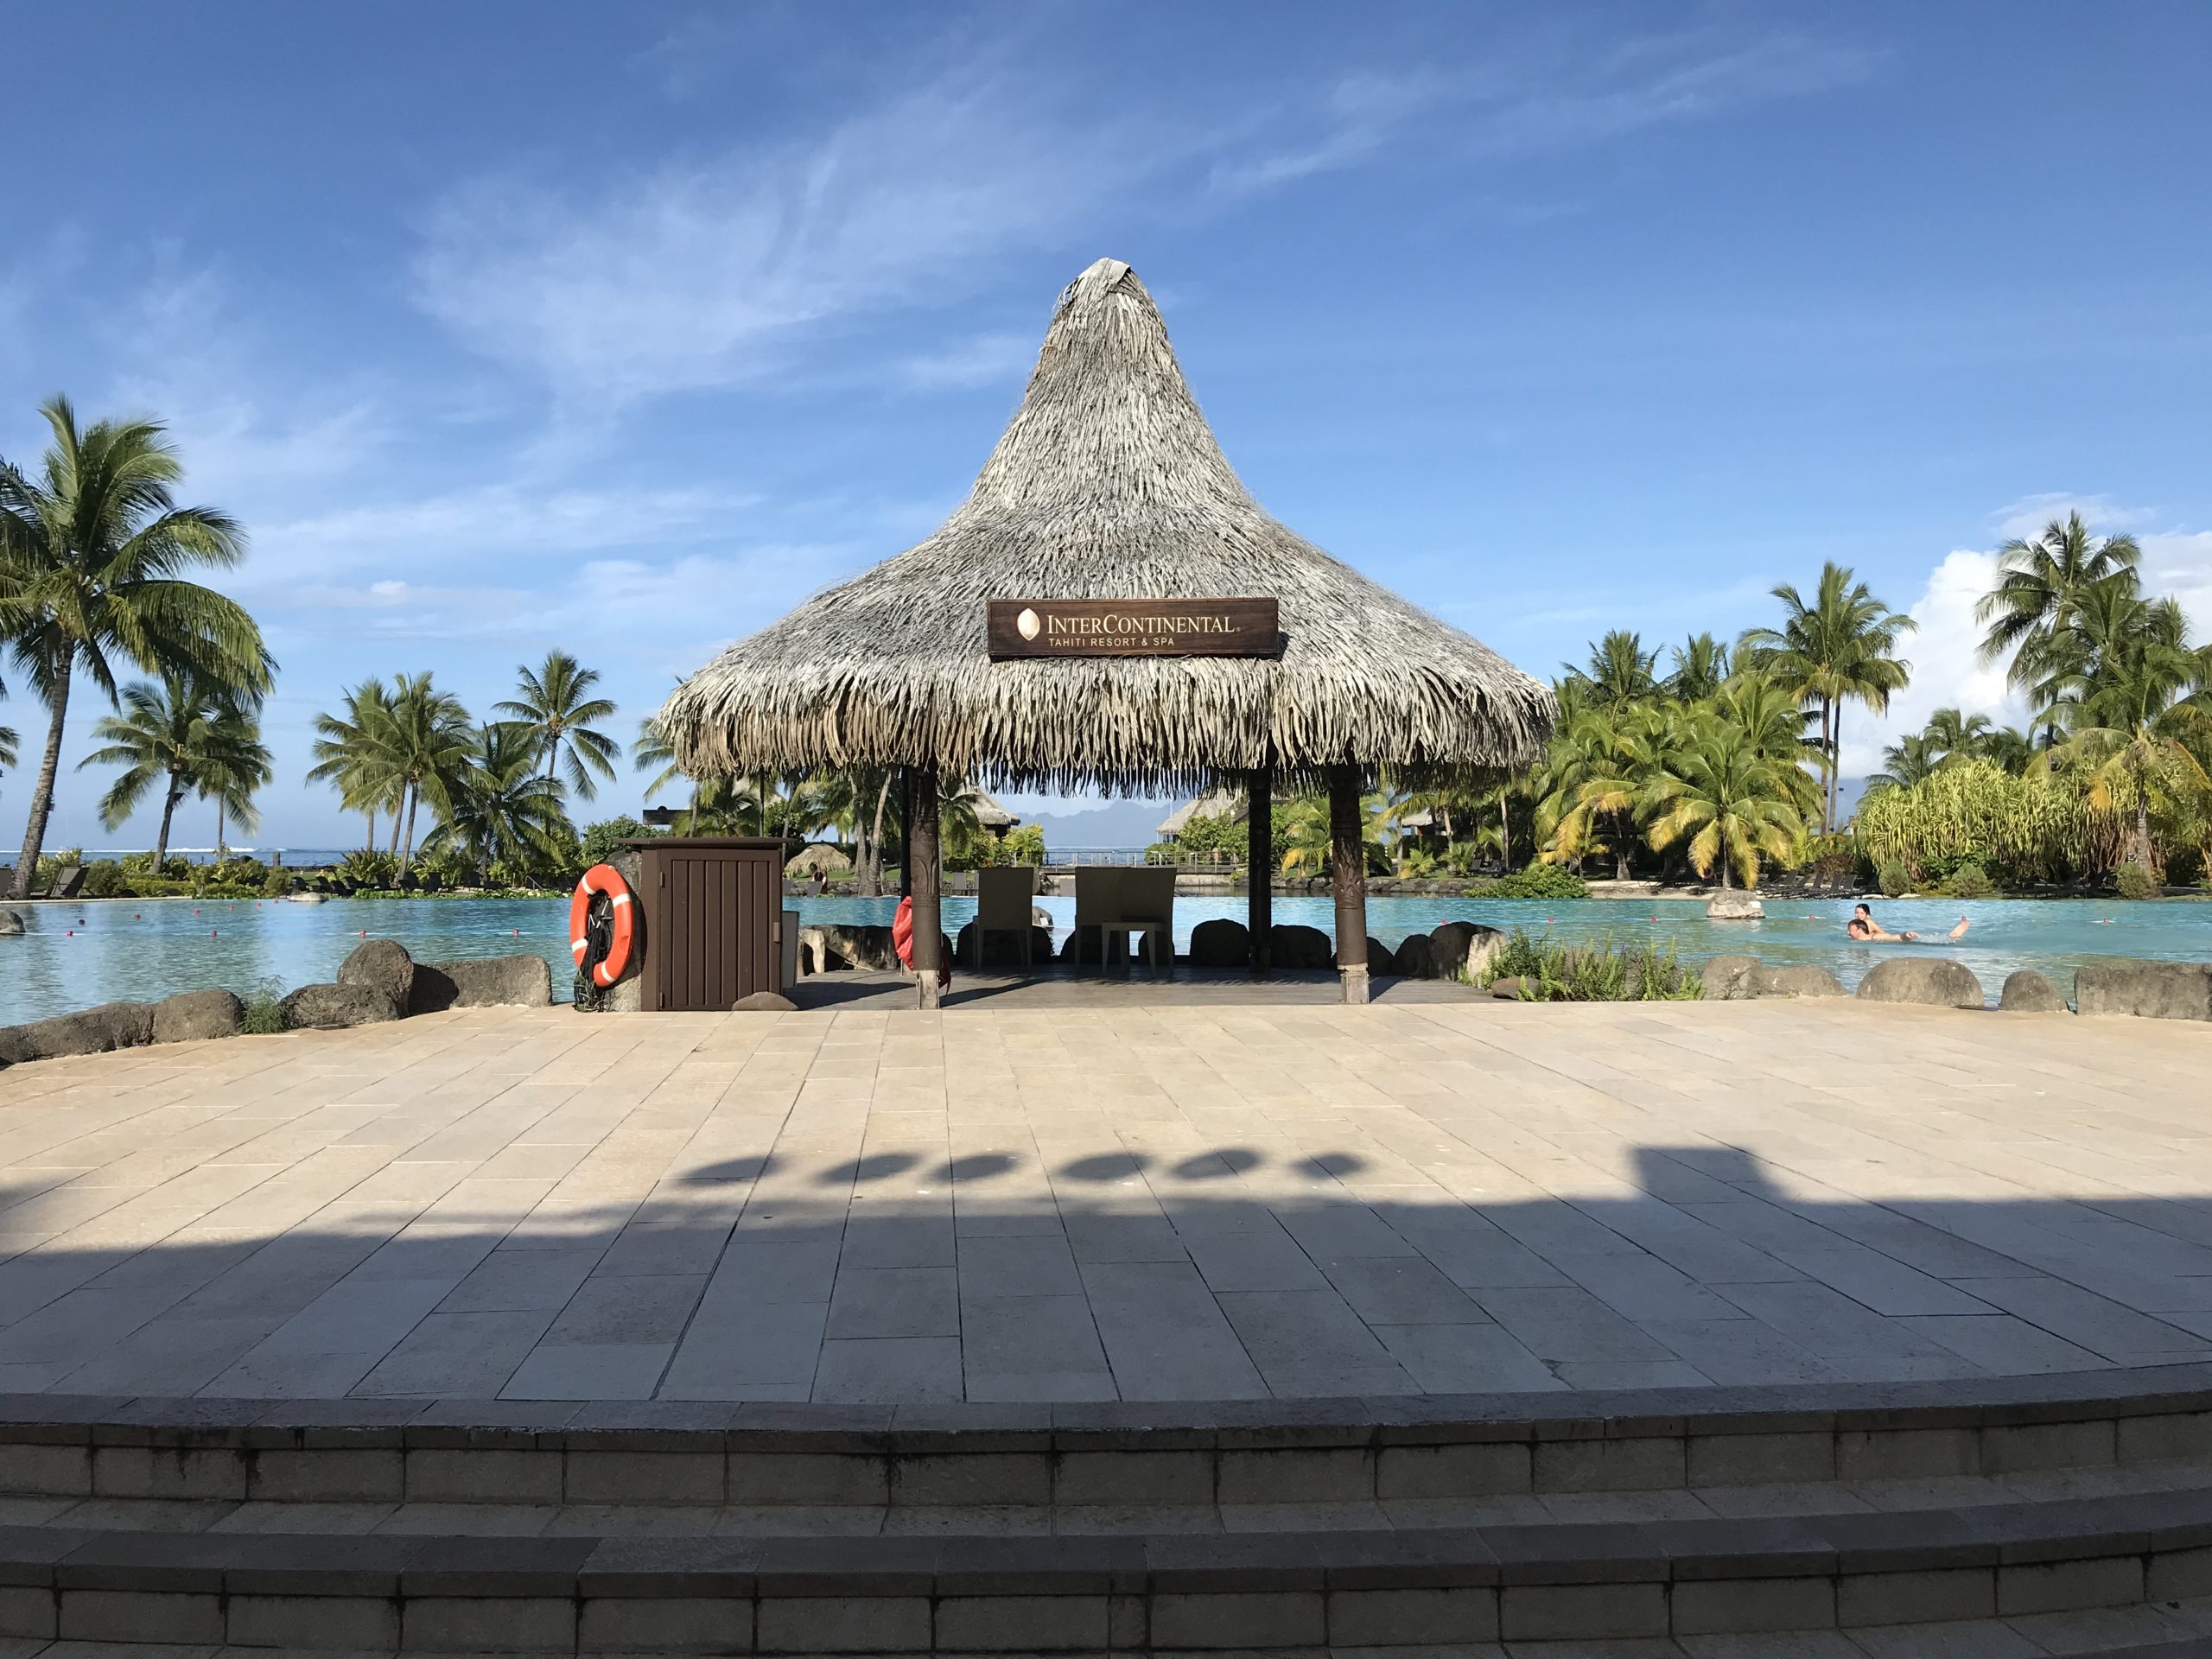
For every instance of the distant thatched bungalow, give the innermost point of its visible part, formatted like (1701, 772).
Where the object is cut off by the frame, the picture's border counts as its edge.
(1108, 486)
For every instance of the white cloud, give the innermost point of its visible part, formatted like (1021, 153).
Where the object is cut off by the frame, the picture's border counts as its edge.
(1946, 669)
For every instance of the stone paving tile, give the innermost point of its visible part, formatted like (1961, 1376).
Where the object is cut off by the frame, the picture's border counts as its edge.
(1242, 1198)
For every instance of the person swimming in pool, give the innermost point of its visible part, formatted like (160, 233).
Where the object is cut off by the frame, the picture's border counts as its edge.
(1863, 927)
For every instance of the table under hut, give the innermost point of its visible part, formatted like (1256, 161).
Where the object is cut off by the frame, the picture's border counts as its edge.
(1108, 496)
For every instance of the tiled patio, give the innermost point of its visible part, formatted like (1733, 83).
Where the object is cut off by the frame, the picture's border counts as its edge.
(1138, 1200)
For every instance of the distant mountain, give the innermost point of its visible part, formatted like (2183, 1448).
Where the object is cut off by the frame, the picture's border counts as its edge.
(1113, 823)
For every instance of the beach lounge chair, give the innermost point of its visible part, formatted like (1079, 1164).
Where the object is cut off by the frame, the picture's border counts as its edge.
(1118, 903)
(1004, 897)
(66, 881)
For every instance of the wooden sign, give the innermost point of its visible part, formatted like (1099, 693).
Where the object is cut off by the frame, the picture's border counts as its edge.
(1131, 628)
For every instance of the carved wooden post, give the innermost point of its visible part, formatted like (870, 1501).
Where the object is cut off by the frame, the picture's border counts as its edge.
(929, 924)
(1260, 866)
(906, 831)
(1348, 875)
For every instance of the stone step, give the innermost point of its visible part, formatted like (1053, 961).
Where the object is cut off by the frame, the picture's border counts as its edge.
(1680, 1579)
(512, 1518)
(1228, 1454)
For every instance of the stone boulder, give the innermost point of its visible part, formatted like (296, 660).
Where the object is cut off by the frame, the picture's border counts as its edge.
(334, 1007)
(1509, 991)
(12, 926)
(1416, 955)
(1290, 945)
(196, 1016)
(2028, 992)
(1447, 946)
(1734, 907)
(1727, 978)
(481, 982)
(822, 949)
(1936, 981)
(1221, 943)
(763, 1003)
(89, 1031)
(1475, 961)
(1790, 979)
(382, 967)
(2148, 991)
(1381, 959)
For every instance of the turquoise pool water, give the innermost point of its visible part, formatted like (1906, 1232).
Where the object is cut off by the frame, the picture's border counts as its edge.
(72, 957)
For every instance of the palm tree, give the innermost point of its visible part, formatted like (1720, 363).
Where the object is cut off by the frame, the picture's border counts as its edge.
(1729, 803)
(345, 754)
(418, 748)
(650, 749)
(2134, 708)
(7, 737)
(2041, 587)
(237, 768)
(1699, 667)
(553, 702)
(1596, 772)
(183, 734)
(1838, 649)
(2009, 747)
(500, 808)
(1952, 736)
(1906, 762)
(1771, 717)
(90, 555)
(1619, 669)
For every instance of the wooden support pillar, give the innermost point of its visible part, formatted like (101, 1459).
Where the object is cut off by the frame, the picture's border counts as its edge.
(1260, 867)
(1348, 876)
(929, 922)
(906, 831)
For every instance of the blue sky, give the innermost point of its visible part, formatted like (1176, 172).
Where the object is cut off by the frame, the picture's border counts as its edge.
(622, 329)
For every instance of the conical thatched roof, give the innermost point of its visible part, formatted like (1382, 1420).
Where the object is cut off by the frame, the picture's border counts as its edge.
(1107, 484)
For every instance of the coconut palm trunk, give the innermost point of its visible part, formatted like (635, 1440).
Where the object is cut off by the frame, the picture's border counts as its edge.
(42, 790)
(407, 856)
(169, 813)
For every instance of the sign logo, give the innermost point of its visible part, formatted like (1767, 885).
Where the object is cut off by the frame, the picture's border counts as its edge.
(1131, 628)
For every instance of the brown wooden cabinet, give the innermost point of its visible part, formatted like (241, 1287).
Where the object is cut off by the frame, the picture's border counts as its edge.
(713, 921)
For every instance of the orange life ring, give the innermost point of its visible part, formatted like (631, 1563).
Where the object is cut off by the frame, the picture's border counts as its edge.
(603, 878)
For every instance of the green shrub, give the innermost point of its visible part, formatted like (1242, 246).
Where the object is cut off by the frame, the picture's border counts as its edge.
(2133, 882)
(1537, 882)
(601, 840)
(279, 882)
(106, 880)
(1605, 972)
(264, 1012)
(1893, 879)
(1968, 882)
(370, 868)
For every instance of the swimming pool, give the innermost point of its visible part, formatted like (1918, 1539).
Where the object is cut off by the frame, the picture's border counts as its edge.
(73, 956)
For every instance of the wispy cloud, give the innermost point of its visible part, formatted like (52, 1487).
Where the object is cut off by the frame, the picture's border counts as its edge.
(1537, 97)
(2030, 515)
(979, 360)
(700, 275)
(711, 272)
(496, 520)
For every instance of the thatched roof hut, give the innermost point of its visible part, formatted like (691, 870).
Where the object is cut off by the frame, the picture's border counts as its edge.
(993, 816)
(1214, 804)
(819, 858)
(1107, 484)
